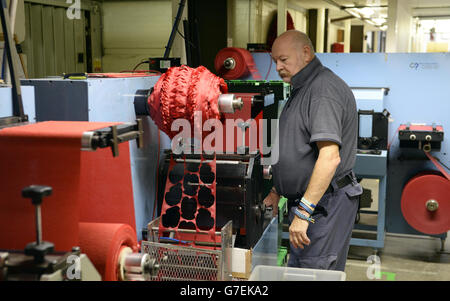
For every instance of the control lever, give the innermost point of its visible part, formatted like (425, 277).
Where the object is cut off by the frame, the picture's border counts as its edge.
(39, 248)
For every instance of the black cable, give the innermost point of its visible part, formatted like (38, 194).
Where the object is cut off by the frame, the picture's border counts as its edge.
(192, 44)
(143, 62)
(437, 159)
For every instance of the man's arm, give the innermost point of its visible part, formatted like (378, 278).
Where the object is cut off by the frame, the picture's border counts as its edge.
(323, 172)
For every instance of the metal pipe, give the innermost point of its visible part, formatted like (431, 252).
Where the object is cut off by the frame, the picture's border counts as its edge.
(38, 225)
(174, 28)
(12, 15)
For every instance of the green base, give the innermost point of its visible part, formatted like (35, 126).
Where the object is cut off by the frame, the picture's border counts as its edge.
(282, 256)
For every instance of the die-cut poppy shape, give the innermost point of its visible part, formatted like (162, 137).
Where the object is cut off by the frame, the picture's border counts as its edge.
(205, 197)
(204, 220)
(206, 175)
(190, 184)
(193, 167)
(176, 174)
(173, 196)
(171, 217)
(187, 225)
(188, 208)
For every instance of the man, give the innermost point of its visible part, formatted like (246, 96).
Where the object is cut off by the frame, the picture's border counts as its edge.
(317, 141)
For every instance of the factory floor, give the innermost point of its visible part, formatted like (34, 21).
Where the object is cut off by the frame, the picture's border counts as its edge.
(403, 258)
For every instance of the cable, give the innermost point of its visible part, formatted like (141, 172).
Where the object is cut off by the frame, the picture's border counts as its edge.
(190, 43)
(143, 62)
(392, 139)
(437, 159)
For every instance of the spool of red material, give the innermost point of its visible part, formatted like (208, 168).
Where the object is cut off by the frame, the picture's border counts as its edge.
(87, 186)
(180, 92)
(103, 242)
(419, 199)
(234, 63)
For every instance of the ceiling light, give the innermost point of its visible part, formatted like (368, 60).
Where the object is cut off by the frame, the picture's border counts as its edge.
(366, 11)
(379, 21)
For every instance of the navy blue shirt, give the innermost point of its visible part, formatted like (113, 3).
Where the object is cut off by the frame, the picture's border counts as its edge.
(321, 108)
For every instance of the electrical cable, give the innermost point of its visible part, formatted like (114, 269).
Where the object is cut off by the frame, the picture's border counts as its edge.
(190, 43)
(143, 62)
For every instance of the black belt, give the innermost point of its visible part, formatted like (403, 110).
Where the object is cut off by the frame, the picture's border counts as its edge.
(340, 183)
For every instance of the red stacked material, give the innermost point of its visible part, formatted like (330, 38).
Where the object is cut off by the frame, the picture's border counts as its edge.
(243, 64)
(180, 92)
(88, 187)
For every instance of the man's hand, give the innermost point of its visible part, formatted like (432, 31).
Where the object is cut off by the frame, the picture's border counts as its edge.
(297, 232)
(271, 200)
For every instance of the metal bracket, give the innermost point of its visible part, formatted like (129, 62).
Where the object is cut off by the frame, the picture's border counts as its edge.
(113, 135)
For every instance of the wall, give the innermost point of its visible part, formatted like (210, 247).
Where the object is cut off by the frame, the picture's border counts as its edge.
(19, 31)
(133, 31)
(250, 20)
(332, 34)
(399, 24)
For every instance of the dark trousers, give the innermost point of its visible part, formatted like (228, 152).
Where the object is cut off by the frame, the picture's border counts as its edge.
(330, 234)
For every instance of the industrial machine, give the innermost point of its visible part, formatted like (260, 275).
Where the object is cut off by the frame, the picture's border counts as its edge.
(403, 95)
(93, 152)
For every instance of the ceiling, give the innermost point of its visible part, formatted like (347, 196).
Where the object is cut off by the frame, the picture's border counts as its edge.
(419, 8)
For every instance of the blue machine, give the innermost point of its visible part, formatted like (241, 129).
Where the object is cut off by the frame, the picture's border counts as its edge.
(107, 100)
(6, 107)
(418, 92)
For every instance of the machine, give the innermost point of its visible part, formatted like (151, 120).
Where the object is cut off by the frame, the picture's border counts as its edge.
(401, 98)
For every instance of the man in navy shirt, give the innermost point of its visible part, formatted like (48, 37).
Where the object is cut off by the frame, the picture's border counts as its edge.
(317, 142)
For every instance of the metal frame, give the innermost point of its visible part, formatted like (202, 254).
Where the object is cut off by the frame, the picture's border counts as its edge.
(161, 252)
(373, 167)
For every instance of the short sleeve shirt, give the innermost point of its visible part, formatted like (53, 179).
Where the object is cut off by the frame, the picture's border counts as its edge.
(321, 108)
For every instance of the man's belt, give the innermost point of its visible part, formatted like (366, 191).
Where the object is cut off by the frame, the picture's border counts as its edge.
(349, 178)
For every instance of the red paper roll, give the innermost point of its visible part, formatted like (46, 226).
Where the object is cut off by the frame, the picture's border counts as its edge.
(418, 196)
(102, 243)
(243, 63)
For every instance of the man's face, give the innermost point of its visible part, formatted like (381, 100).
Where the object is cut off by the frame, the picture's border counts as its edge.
(288, 58)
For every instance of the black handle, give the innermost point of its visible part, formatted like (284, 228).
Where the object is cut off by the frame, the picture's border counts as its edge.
(36, 193)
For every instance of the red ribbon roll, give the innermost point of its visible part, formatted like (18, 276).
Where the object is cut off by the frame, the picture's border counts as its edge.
(423, 192)
(241, 61)
(103, 243)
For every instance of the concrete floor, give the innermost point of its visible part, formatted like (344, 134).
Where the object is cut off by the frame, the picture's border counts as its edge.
(404, 258)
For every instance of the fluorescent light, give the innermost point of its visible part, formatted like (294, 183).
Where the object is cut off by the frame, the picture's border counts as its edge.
(379, 21)
(366, 11)
(353, 13)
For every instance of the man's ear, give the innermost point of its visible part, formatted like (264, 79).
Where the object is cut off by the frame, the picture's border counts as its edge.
(307, 53)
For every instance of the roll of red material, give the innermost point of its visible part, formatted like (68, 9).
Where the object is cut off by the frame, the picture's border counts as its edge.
(235, 63)
(425, 203)
(103, 242)
(46, 153)
(182, 91)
